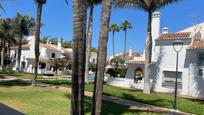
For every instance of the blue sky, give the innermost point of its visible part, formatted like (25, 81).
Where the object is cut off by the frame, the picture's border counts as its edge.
(57, 17)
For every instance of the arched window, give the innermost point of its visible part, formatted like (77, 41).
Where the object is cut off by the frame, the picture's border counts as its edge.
(138, 74)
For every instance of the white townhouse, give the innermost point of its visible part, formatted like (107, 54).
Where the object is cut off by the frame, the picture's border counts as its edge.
(47, 52)
(163, 66)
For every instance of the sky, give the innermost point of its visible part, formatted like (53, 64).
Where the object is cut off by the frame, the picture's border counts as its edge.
(57, 20)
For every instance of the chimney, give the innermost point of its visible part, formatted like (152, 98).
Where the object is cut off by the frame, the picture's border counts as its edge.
(130, 52)
(165, 30)
(59, 44)
(155, 25)
(155, 30)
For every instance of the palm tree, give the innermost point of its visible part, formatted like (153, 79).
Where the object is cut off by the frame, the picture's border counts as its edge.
(23, 26)
(6, 36)
(67, 44)
(125, 25)
(101, 58)
(37, 38)
(91, 4)
(78, 64)
(148, 6)
(114, 28)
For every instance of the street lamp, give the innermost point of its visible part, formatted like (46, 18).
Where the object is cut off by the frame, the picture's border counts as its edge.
(178, 45)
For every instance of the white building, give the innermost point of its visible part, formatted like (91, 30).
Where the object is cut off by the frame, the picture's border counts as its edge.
(163, 67)
(47, 52)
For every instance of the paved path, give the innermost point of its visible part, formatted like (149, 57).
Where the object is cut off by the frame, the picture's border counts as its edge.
(5, 110)
(133, 104)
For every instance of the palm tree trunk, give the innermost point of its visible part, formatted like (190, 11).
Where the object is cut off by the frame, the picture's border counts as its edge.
(9, 50)
(125, 45)
(113, 43)
(101, 58)
(2, 54)
(78, 65)
(19, 53)
(37, 41)
(148, 54)
(89, 40)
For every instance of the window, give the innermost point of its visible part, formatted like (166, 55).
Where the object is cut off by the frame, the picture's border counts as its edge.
(53, 55)
(15, 53)
(94, 60)
(200, 59)
(138, 75)
(169, 79)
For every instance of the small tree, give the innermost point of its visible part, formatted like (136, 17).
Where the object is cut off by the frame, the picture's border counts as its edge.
(53, 41)
(114, 28)
(67, 44)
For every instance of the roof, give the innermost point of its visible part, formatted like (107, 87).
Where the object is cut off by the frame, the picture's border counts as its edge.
(93, 53)
(138, 62)
(23, 46)
(50, 47)
(170, 36)
(197, 44)
(134, 54)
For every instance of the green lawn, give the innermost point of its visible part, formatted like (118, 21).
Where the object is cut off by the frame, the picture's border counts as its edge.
(45, 101)
(19, 75)
(158, 99)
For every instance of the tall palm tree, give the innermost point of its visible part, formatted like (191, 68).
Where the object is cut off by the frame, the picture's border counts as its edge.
(91, 4)
(148, 6)
(37, 38)
(6, 36)
(23, 26)
(125, 25)
(78, 64)
(101, 58)
(114, 28)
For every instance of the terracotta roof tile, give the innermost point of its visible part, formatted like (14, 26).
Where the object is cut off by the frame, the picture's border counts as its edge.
(23, 46)
(134, 54)
(197, 44)
(93, 53)
(50, 47)
(180, 35)
(138, 62)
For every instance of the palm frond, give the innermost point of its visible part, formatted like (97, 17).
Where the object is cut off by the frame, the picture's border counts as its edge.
(139, 4)
(67, 2)
(126, 25)
(146, 5)
(162, 3)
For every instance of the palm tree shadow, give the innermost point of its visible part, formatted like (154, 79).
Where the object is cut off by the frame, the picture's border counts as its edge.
(5, 110)
(199, 83)
(12, 83)
(155, 71)
(196, 80)
(109, 108)
(158, 102)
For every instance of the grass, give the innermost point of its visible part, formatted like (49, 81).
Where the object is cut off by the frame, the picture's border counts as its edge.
(158, 99)
(22, 75)
(45, 101)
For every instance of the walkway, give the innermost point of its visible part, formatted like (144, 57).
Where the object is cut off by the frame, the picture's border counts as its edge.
(132, 104)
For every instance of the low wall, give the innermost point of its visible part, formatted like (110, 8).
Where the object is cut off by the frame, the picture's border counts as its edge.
(124, 82)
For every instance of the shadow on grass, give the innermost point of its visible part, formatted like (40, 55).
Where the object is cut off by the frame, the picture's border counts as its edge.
(13, 83)
(158, 102)
(196, 100)
(56, 82)
(5, 110)
(109, 108)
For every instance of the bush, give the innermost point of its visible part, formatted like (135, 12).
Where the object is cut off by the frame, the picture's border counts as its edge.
(120, 72)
